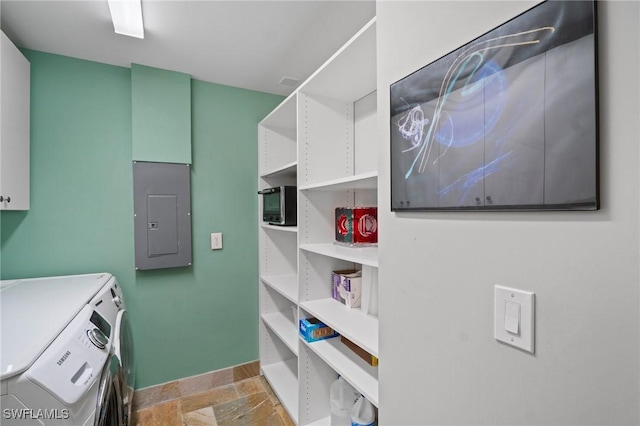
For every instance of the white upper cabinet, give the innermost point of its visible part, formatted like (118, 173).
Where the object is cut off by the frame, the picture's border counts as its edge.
(14, 127)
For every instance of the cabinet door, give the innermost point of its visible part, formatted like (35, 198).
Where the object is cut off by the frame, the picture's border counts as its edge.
(14, 125)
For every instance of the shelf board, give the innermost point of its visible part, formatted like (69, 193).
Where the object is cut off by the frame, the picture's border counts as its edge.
(367, 255)
(322, 422)
(286, 285)
(340, 358)
(286, 170)
(283, 378)
(284, 115)
(279, 228)
(361, 181)
(284, 327)
(360, 328)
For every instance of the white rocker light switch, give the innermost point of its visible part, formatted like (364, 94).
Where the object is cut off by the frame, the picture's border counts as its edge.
(514, 317)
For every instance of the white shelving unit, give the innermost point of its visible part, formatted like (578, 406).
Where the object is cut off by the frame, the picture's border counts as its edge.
(321, 139)
(278, 286)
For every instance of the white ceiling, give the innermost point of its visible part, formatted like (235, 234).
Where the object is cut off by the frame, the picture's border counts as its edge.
(248, 44)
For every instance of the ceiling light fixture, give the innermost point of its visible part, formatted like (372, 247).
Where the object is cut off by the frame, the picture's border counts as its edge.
(127, 17)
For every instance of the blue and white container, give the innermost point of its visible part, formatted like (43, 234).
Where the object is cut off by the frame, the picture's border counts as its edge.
(363, 413)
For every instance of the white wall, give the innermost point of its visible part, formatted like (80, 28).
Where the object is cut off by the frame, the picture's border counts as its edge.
(439, 363)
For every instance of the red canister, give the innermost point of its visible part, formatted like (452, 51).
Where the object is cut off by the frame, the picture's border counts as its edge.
(356, 225)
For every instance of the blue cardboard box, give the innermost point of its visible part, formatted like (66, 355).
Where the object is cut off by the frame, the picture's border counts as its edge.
(312, 329)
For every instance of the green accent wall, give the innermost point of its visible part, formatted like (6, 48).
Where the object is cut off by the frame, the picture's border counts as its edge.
(161, 109)
(186, 321)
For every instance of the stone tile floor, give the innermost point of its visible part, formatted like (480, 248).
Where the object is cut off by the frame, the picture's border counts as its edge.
(249, 402)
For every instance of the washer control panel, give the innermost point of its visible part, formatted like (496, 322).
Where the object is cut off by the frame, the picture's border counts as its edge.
(74, 361)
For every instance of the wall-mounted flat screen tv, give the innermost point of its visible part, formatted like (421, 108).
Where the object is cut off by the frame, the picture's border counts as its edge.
(506, 122)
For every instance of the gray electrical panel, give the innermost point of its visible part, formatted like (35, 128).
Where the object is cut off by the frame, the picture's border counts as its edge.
(162, 214)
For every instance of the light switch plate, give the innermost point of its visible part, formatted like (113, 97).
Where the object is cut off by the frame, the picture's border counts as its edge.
(505, 297)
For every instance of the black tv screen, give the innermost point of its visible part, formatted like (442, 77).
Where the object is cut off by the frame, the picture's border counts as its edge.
(505, 122)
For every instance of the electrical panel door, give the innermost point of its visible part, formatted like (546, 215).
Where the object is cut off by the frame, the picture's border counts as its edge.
(162, 215)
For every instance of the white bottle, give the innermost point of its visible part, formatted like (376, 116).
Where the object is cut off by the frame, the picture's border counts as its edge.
(363, 413)
(342, 396)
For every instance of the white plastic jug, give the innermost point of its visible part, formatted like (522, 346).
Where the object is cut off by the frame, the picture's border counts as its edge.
(363, 413)
(342, 397)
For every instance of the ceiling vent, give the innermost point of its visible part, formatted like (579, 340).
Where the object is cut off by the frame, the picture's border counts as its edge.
(289, 81)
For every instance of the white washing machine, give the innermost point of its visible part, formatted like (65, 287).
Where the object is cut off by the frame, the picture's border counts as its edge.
(66, 352)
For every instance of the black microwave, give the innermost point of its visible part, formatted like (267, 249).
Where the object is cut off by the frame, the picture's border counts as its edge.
(279, 205)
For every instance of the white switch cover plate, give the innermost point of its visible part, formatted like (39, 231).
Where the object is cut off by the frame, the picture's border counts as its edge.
(216, 241)
(514, 317)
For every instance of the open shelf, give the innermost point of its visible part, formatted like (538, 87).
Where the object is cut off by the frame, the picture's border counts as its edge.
(286, 170)
(283, 378)
(283, 116)
(322, 422)
(362, 181)
(360, 328)
(362, 376)
(277, 151)
(367, 255)
(279, 228)
(285, 284)
(284, 327)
